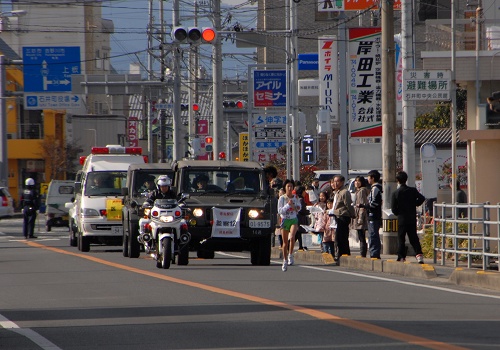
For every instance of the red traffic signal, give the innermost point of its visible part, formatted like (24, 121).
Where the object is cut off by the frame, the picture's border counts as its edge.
(209, 144)
(196, 107)
(240, 104)
(194, 35)
(222, 155)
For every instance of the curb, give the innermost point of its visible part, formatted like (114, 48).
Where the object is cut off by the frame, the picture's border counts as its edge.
(459, 276)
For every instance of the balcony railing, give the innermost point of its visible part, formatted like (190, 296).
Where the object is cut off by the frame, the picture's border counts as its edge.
(438, 34)
(26, 131)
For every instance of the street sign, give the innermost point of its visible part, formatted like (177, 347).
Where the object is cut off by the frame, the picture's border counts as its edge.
(422, 85)
(308, 150)
(49, 69)
(51, 101)
(269, 88)
(308, 61)
(352, 5)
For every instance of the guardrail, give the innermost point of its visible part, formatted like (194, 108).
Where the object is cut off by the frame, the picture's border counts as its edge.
(469, 236)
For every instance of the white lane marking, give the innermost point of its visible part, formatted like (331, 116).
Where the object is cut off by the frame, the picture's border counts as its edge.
(36, 338)
(413, 284)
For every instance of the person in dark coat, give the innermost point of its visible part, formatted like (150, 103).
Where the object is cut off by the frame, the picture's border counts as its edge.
(30, 203)
(404, 203)
(163, 191)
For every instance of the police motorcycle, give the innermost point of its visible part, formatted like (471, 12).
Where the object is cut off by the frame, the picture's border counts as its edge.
(163, 231)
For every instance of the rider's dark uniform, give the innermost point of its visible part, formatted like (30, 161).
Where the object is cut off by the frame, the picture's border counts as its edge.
(158, 194)
(30, 202)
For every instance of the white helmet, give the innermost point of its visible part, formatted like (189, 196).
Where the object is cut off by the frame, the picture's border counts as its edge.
(164, 180)
(29, 182)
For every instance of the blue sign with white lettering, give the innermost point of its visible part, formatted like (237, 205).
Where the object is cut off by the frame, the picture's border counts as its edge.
(49, 69)
(269, 88)
(308, 61)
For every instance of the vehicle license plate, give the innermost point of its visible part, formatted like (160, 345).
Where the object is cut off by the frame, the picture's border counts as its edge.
(260, 223)
(117, 230)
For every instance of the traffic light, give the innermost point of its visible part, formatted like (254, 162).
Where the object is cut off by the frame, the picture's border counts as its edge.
(184, 107)
(240, 104)
(194, 35)
(209, 147)
(196, 107)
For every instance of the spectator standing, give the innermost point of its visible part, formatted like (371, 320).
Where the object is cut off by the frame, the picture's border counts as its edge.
(329, 230)
(288, 207)
(404, 203)
(374, 207)
(279, 230)
(302, 215)
(343, 211)
(360, 222)
(461, 197)
(315, 188)
(30, 203)
(319, 218)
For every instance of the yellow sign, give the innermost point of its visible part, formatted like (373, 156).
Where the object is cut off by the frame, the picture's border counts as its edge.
(44, 188)
(114, 209)
(244, 147)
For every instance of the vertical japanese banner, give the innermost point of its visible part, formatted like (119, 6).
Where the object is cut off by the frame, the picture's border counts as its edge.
(244, 147)
(328, 75)
(132, 132)
(365, 82)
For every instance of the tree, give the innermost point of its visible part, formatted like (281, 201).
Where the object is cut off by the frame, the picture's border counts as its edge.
(306, 172)
(59, 159)
(440, 117)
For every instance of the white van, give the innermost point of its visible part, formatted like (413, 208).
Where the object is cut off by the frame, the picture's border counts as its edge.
(98, 201)
(58, 193)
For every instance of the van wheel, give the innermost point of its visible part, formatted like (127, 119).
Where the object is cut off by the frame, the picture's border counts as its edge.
(84, 243)
(125, 244)
(134, 249)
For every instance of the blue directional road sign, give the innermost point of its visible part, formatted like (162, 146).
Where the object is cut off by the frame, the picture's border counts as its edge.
(49, 69)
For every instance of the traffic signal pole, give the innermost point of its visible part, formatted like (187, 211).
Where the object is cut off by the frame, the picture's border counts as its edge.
(217, 127)
(179, 143)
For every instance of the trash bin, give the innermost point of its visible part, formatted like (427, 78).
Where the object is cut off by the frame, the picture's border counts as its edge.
(390, 232)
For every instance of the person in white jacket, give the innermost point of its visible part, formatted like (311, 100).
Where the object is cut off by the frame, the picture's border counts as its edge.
(288, 207)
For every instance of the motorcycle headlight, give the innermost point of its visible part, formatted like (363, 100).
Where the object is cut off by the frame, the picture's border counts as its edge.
(166, 218)
(253, 214)
(198, 212)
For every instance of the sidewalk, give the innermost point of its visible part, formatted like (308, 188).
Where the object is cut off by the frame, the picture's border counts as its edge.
(410, 268)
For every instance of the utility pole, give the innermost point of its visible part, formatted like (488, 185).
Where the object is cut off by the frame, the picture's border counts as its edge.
(409, 110)
(218, 130)
(193, 81)
(176, 108)
(4, 162)
(388, 115)
(293, 93)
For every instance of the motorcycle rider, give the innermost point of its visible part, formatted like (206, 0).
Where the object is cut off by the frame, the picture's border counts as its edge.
(30, 202)
(162, 192)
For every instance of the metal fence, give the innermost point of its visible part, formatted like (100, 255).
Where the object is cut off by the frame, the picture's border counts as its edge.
(468, 237)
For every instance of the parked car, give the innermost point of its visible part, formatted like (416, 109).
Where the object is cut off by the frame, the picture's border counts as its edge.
(59, 192)
(6, 203)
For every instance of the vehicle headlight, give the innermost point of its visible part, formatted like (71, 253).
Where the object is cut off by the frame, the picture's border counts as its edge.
(253, 214)
(147, 211)
(198, 212)
(89, 212)
(166, 218)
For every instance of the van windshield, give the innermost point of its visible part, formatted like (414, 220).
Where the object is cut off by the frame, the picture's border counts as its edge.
(222, 181)
(105, 183)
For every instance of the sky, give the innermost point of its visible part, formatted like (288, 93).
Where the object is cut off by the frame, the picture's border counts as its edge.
(130, 18)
